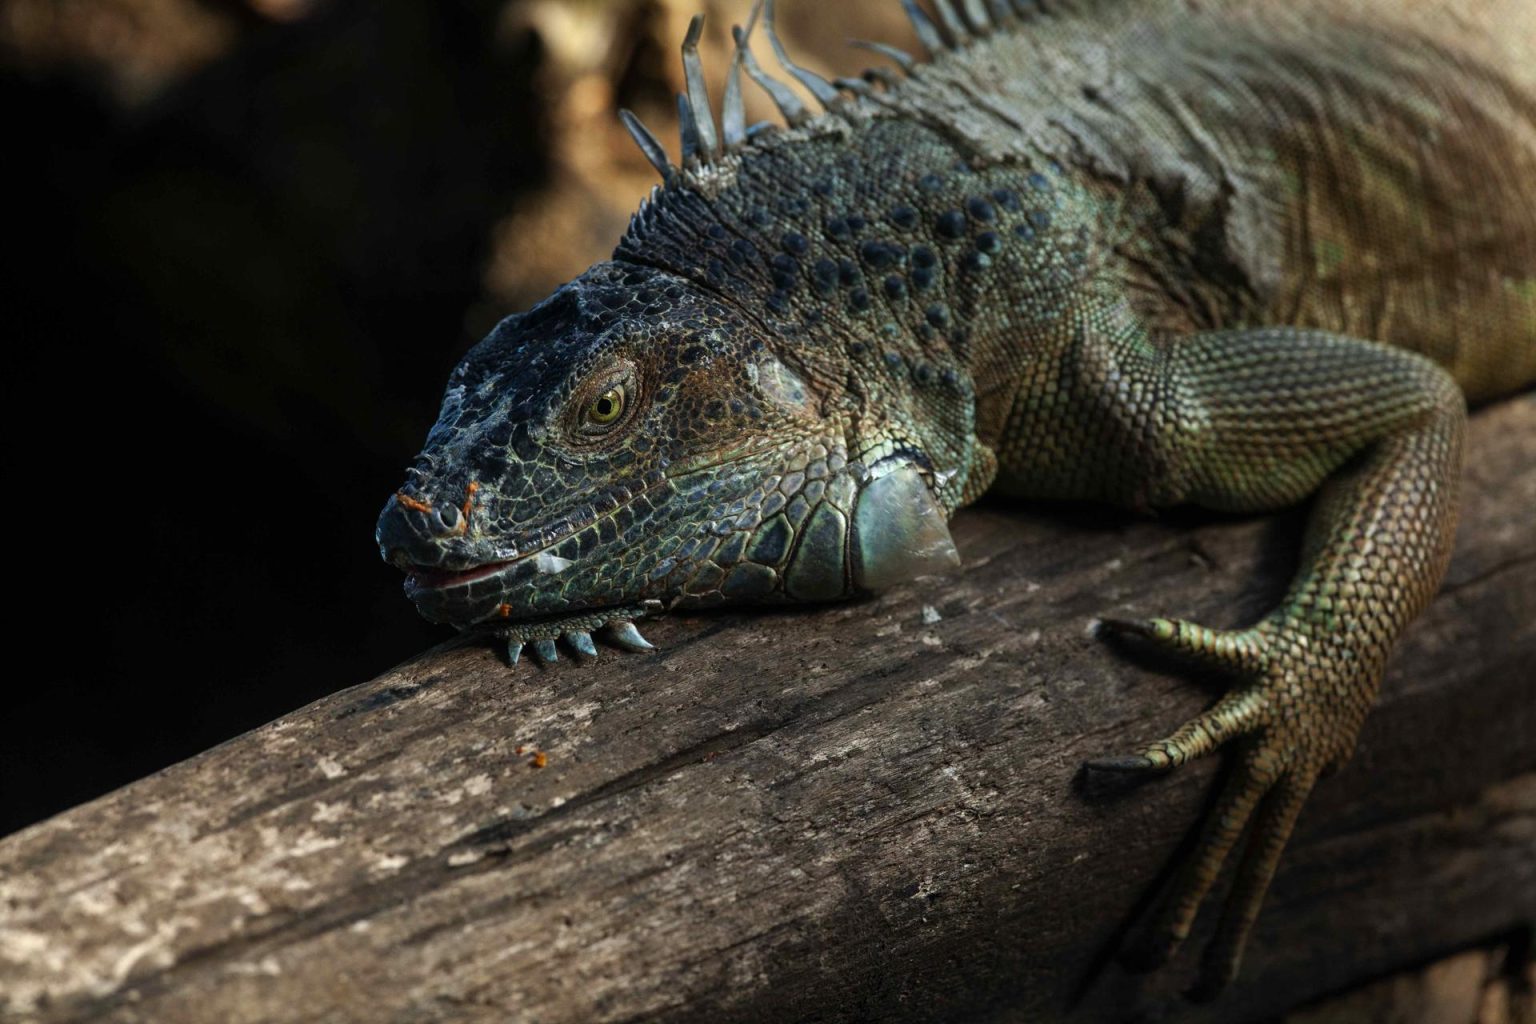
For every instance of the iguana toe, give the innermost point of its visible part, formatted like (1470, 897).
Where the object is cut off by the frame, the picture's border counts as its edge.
(1234, 649)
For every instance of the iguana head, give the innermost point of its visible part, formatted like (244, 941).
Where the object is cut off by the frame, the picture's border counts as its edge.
(634, 439)
(745, 404)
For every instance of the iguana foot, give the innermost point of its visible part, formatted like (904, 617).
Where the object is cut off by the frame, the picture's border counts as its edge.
(1295, 711)
(576, 630)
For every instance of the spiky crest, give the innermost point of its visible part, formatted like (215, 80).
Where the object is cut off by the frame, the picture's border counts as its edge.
(703, 145)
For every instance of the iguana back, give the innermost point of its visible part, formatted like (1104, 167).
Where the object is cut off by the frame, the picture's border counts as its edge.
(1360, 166)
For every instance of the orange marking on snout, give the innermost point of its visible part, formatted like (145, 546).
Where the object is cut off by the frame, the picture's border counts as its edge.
(469, 504)
(412, 503)
(505, 611)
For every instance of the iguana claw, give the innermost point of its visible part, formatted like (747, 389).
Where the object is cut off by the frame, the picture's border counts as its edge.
(576, 630)
(581, 641)
(624, 633)
(1133, 763)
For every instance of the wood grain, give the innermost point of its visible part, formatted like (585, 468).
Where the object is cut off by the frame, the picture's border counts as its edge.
(846, 813)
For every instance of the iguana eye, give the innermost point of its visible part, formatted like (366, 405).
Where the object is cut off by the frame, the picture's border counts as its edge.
(607, 407)
(602, 405)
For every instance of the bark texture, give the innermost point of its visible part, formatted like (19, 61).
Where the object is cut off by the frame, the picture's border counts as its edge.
(870, 811)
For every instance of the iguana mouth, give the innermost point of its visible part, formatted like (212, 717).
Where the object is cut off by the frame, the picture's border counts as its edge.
(421, 577)
(463, 596)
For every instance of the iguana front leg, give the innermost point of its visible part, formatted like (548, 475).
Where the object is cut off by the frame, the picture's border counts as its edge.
(1257, 420)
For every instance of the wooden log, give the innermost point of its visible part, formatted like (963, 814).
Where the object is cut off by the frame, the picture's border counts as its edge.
(870, 811)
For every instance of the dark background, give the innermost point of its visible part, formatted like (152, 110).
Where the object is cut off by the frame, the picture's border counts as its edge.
(231, 312)
(248, 240)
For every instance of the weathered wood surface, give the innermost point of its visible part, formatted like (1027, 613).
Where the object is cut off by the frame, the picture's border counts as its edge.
(842, 814)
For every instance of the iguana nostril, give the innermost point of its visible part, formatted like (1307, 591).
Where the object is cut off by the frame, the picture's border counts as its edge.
(446, 517)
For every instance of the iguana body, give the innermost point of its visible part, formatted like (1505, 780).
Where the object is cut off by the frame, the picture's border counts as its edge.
(1127, 251)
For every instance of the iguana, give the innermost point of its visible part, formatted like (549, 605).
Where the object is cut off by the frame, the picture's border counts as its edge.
(1151, 252)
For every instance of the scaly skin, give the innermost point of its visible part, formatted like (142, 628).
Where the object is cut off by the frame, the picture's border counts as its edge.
(1232, 255)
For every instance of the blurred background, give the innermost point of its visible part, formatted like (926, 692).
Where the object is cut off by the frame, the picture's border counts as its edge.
(248, 240)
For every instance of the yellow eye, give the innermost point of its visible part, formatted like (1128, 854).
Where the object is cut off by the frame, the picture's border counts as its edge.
(606, 407)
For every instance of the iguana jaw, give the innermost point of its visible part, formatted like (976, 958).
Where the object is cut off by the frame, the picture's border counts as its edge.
(421, 577)
(484, 592)
(463, 590)
(454, 591)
